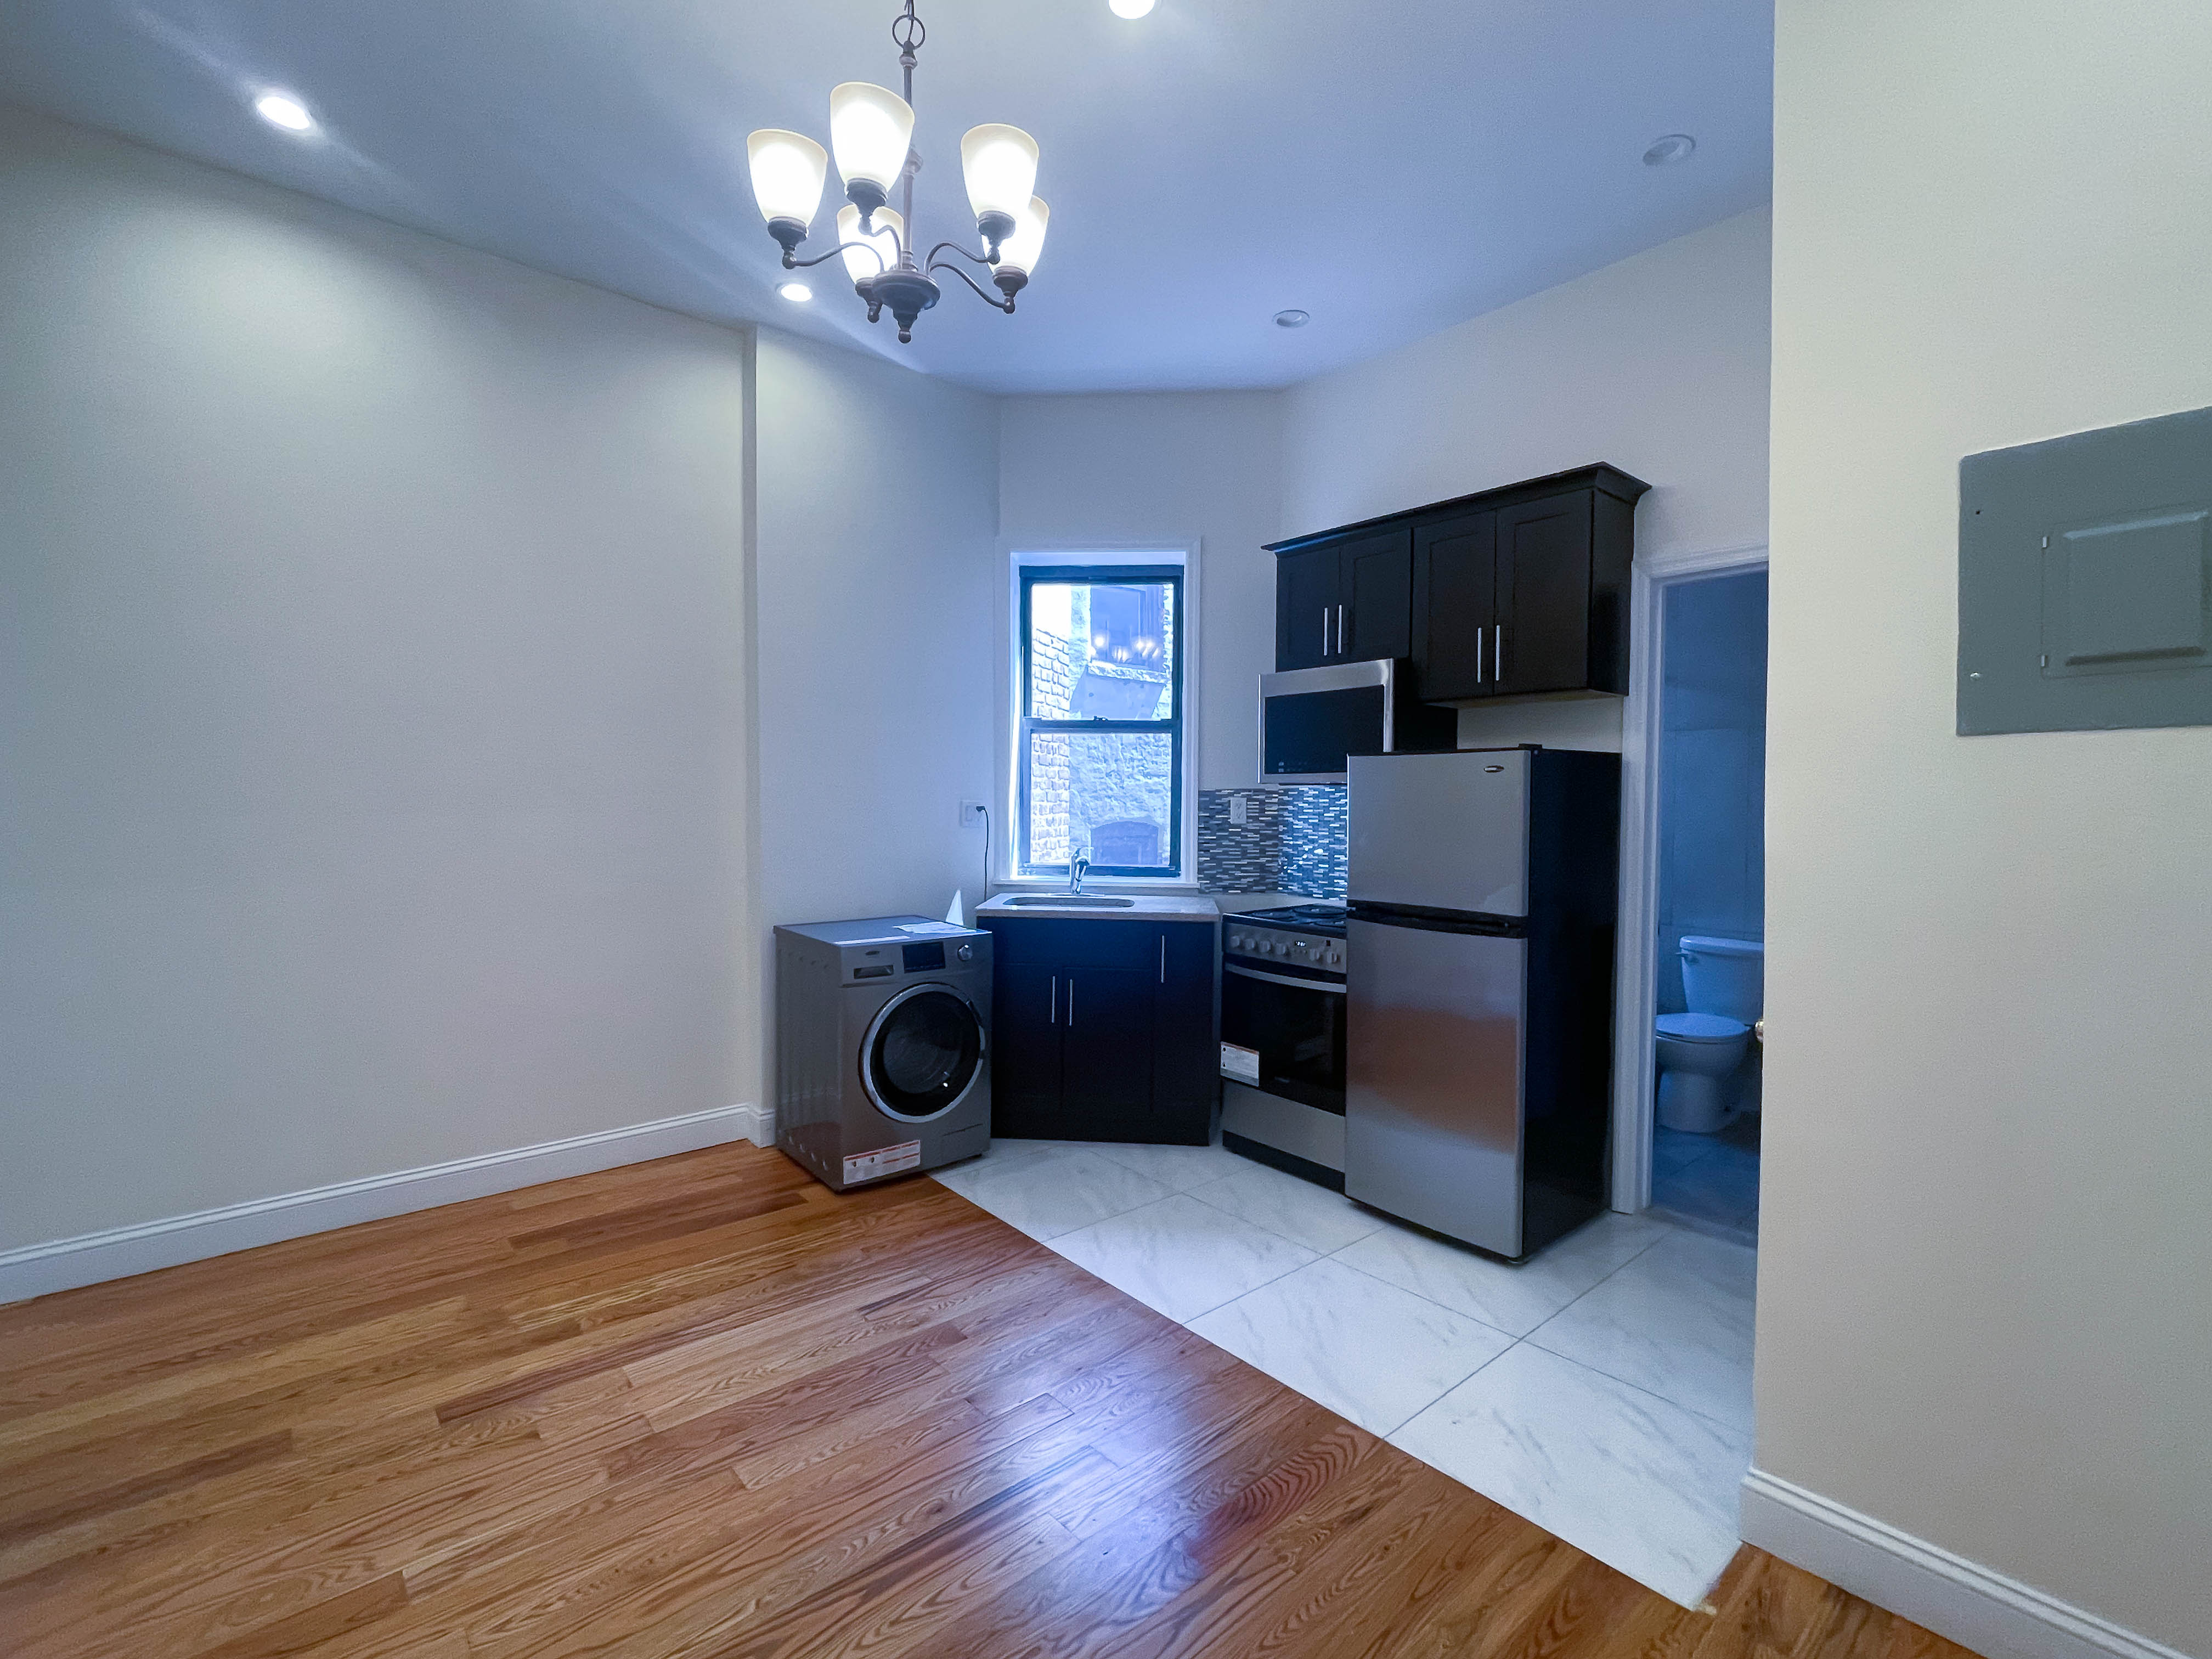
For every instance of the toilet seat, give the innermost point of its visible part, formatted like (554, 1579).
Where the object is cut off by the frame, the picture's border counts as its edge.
(1701, 1028)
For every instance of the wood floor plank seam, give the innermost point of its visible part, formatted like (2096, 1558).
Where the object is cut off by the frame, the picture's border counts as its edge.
(704, 1406)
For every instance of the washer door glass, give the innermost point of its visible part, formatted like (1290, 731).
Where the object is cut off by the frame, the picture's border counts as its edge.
(924, 1051)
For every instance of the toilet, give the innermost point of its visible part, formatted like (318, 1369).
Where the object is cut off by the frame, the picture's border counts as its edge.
(1699, 1053)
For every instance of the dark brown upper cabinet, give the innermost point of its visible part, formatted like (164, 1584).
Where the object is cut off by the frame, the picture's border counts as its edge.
(1346, 598)
(1518, 591)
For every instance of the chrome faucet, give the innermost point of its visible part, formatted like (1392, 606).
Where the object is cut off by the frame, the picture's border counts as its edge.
(1078, 865)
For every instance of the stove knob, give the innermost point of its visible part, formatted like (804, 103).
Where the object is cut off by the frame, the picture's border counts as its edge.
(966, 953)
(1267, 949)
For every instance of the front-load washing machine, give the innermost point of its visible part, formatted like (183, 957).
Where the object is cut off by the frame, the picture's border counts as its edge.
(883, 1047)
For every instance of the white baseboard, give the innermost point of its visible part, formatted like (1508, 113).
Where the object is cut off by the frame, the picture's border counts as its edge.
(1955, 1597)
(64, 1264)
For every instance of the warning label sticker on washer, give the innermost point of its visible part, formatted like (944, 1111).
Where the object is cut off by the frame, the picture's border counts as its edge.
(884, 1161)
(1244, 1063)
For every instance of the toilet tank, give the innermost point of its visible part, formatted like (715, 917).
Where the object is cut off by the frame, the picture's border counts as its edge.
(1725, 976)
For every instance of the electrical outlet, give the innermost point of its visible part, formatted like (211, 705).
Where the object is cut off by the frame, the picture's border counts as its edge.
(971, 815)
(1236, 809)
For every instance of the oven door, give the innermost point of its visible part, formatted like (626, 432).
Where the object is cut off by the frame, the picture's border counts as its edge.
(1297, 1028)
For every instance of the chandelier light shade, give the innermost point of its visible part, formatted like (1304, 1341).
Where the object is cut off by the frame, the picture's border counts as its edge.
(872, 136)
(870, 130)
(1020, 250)
(787, 169)
(1000, 164)
(861, 265)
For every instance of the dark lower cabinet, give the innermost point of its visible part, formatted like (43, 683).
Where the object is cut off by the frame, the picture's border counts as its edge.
(1024, 1038)
(1103, 1030)
(1106, 1079)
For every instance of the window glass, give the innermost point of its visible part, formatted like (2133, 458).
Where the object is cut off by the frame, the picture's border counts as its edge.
(1102, 650)
(1111, 793)
(1100, 749)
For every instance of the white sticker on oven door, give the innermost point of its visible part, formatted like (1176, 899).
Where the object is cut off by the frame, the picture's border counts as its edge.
(1242, 1064)
(884, 1161)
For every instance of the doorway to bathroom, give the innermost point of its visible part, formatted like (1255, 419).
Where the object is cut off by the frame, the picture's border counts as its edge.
(1690, 1084)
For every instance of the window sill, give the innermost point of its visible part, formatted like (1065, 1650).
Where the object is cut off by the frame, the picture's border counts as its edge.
(1093, 884)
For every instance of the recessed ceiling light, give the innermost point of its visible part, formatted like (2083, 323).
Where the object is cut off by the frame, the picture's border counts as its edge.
(280, 109)
(797, 293)
(1292, 319)
(1664, 152)
(1129, 7)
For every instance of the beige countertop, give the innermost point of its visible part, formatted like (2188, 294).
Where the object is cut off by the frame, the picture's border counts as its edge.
(1142, 907)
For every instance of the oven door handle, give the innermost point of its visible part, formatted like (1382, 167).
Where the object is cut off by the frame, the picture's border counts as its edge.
(1283, 979)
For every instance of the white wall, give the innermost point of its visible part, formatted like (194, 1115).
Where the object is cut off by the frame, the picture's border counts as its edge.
(1657, 364)
(877, 495)
(1984, 1257)
(1203, 466)
(371, 697)
(1712, 768)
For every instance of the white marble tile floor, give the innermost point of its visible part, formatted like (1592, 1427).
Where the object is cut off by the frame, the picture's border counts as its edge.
(1180, 1257)
(1645, 1486)
(1601, 1389)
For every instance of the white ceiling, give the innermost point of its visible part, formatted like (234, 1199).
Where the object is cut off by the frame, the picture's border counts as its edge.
(1392, 167)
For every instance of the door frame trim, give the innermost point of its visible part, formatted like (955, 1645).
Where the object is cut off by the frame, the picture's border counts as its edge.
(1636, 972)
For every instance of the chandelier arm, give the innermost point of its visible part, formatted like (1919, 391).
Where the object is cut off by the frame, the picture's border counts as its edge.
(962, 252)
(1006, 306)
(790, 264)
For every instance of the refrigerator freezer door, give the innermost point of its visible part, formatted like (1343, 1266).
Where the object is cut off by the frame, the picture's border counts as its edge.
(1433, 1098)
(1442, 832)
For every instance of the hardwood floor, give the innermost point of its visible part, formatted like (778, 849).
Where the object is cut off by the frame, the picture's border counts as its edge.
(704, 1406)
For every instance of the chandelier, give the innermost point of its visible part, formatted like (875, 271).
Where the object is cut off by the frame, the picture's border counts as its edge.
(871, 129)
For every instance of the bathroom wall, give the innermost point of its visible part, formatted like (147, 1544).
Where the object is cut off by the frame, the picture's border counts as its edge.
(1712, 769)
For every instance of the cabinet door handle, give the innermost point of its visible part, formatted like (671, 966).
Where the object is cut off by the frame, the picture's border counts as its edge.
(1324, 630)
(1478, 656)
(1164, 958)
(1071, 1002)
(1052, 1014)
(1497, 653)
(1339, 629)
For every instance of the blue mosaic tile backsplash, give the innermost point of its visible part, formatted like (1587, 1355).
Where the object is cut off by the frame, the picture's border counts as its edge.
(1316, 838)
(1292, 840)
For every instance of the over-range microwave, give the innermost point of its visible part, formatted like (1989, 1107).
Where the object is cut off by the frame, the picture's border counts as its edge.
(1312, 720)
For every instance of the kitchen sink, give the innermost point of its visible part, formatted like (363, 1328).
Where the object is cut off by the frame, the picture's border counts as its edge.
(1069, 902)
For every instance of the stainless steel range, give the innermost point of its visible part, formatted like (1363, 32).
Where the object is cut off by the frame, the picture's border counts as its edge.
(1282, 1038)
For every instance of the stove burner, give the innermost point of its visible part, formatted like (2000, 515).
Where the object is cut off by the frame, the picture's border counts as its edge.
(1305, 918)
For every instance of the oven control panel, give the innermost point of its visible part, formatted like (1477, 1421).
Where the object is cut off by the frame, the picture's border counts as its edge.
(1263, 945)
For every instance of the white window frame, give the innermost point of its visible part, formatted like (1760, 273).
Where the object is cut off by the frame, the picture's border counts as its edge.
(1005, 836)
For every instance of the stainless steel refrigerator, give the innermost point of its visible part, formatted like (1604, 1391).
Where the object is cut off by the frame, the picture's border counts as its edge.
(1478, 1038)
